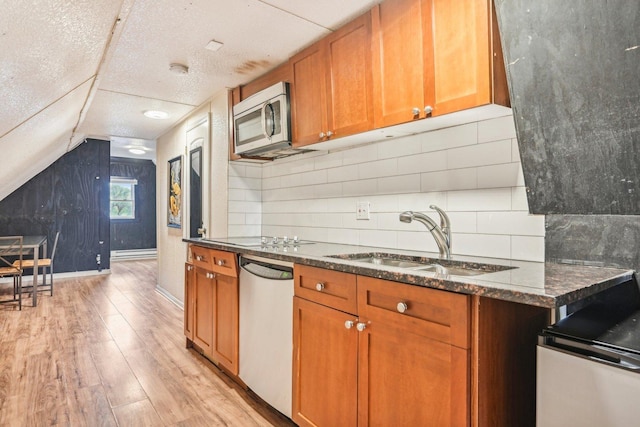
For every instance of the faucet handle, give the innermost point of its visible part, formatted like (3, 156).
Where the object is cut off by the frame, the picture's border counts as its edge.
(445, 223)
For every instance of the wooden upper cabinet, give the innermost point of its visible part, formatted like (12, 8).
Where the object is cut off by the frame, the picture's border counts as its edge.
(401, 60)
(332, 92)
(461, 54)
(430, 57)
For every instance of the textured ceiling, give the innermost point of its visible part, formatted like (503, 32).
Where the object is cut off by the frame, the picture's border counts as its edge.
(89, 68)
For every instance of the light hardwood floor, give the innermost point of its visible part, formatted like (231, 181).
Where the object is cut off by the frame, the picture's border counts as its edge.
(109, 350)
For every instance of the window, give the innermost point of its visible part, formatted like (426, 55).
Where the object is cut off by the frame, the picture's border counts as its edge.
(122, 199)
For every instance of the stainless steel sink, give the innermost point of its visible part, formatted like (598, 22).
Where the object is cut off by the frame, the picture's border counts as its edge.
(413, 263)
(393, 262)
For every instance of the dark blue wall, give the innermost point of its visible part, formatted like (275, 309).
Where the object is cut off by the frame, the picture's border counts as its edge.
(138, 233)
(72, 196)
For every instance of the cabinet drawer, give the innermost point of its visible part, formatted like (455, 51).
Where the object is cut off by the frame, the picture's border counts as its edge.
(431, 313)
(221, 262)
(327, 287)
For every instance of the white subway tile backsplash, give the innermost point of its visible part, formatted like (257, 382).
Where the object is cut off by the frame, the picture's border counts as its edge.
(390, 221)
(399, 184)
(272, 183)
(496, 199)
(471, 171)
(253, 219)
(491, 153)
(463, 222)
(384, 203)
(426, 162)
(253, 171)
(244, 207)
(496, 129)
(512, 223)
(327, 190)
(455, 179)
(515, 150)
(417, 241)
(487, 245)
(329, 161)
(360, 188)
(495, 176)
(237, 169)
(421, 201)
(236, 218)
(366, 153)
(306, 178)
(244, 183)
(244, 230)
(387, 167)
(342, 235)
(443, 139)
(527, 248)
(519, 199)
(343, 173)
(349, 221)
(236, 194)
(405, 146)
(327, 220)
(381, 238)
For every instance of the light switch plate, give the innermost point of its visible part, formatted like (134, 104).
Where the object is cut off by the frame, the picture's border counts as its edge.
(362, 210)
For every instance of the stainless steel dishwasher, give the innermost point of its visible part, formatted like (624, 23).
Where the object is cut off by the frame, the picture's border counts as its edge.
(266, 329)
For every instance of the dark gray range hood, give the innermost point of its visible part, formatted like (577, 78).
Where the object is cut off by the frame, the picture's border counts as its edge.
(573, 69)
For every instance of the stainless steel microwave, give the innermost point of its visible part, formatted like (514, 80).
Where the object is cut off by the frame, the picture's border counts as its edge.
(262, 123)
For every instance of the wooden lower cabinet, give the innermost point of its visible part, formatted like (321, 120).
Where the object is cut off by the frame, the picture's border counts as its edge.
(413, 359)
(212, 306)
(189, 271)
(382, 367)
(203, 288)
(324, 366)
(226, 322)
(407, 380)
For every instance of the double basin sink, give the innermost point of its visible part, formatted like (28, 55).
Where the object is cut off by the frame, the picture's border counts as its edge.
(414, 263)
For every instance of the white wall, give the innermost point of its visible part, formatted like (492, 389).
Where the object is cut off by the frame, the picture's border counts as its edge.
(472, 171)
(172, 251)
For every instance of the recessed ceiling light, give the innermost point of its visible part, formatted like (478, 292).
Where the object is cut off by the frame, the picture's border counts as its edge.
(136, 151)
(179, 69)
(213, 45)
(156, 114)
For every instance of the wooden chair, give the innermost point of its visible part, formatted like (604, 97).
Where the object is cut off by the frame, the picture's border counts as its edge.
(10, 247)
(43, 265)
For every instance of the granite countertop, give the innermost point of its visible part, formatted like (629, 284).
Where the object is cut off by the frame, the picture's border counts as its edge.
(542, 284)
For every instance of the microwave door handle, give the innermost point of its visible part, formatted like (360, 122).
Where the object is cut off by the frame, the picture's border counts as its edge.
(264, 120)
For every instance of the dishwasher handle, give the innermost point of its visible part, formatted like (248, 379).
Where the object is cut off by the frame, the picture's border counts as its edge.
(266, 270)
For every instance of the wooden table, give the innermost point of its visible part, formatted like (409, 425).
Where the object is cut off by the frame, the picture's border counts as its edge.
(32, 245)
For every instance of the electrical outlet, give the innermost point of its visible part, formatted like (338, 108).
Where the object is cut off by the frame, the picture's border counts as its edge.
(362, 210)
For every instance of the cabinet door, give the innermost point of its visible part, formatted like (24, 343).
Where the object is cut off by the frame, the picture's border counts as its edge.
(324, 366)
(402, 60)
(308, 95)
(203, 309)
(406, 379)
(462, 51)
(189, 274)
(225, 322)
(349, 78)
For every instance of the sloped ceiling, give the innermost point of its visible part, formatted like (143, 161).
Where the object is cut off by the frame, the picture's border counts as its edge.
(90, 68)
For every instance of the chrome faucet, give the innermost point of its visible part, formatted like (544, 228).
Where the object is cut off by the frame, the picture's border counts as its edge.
(441, 234)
